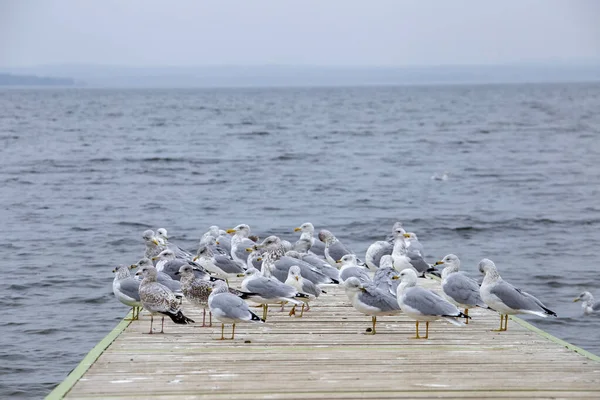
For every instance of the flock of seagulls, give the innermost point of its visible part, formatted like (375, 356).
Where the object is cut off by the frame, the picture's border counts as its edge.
(278, 272)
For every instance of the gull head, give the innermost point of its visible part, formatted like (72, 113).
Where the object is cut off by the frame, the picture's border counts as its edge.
(408, 277)
(144, 262)
(487, 266)
(167, 254)
(147, 272)
(251, 272)
(121, 271)
(352, 285)
(149, 237)
(305, 227)
(348, 259)
(411, 236)
(585, 297)
(241, 229)
(398, 227)
(162, 233)
(185, 271)
(219, 286)
(325, 236)
(270, 243)
(294, 272)
(213, 231)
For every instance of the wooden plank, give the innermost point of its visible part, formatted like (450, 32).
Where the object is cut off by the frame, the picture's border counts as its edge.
(326, 354)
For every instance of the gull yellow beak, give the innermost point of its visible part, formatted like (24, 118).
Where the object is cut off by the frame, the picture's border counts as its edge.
(406, 235)
(249, 249)
(395, 277)
(155, 242)
(297, 229)
(154, 258)
(217, 242)
(363, 289)
(195, 258)
(438, 263)
(209, 289)
(297, 278)
(576, 300)
(338, 262)
(258, 258)
(240, 275)
(230, 231)
(114, 270)
(132, 266)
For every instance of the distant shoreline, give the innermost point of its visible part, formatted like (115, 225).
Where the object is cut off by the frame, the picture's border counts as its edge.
(12, 80)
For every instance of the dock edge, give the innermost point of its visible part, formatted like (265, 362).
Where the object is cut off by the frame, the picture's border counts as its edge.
(65, 386)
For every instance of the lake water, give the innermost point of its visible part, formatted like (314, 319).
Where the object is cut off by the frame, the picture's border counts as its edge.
(83, 172)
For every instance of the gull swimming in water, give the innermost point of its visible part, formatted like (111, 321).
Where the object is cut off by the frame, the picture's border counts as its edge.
(421, 304)
(126, 290)
(505, 298)
(307, 241)
(588, 304)
(229, 309)
(350, 268)
(157, 299)
(369, 300)
(302, 285)
(457, 287)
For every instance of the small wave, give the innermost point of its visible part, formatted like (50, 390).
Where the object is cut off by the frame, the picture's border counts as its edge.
(134, 224)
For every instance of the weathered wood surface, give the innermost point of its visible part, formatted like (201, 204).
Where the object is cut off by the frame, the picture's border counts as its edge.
(326, 355)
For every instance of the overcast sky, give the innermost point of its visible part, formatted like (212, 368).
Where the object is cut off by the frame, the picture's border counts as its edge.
(301, 32)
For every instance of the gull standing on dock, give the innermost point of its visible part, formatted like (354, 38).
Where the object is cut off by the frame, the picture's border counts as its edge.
(506, 299)
(153, 246)
(334, 249)
(386, 277)
(240, 242)
(196, 291)
(126, 290)
(302, 285)
(219, 264)
(588, 304)
(161, 277)
(421, 304)
(157, 299)
(228, 308)
(457, 287)
(269, 290)
(307, 241)
(367, 299)
(350, 268)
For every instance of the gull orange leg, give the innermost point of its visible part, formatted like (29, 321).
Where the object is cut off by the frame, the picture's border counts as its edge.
(162, 325)
(417, 330)
(233, 331)
(467, 315)
(501, 323)
(506, 322)
(151, 322)
(302, 311)
(426, 329)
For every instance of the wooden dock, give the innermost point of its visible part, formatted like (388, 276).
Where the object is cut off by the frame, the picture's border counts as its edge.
(326, 355)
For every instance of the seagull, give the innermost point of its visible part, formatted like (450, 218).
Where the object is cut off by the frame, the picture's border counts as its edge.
(229, 308)
(157, 299)
(386, 277)
(505, 298)
(195, 290)
(350, 268)
(307, 241)
(269, 290)
(126, 290)
(367, 299)
(588, 304)
(240, 242)
(421, 304)
(163, 240)
(457, 287)
(382, 247)
(219, 264)
(153, 246)
(302, 285)
(161, 277)
(334, 249)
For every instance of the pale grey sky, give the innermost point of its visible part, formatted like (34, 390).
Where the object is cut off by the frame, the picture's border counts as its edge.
(302, 32)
